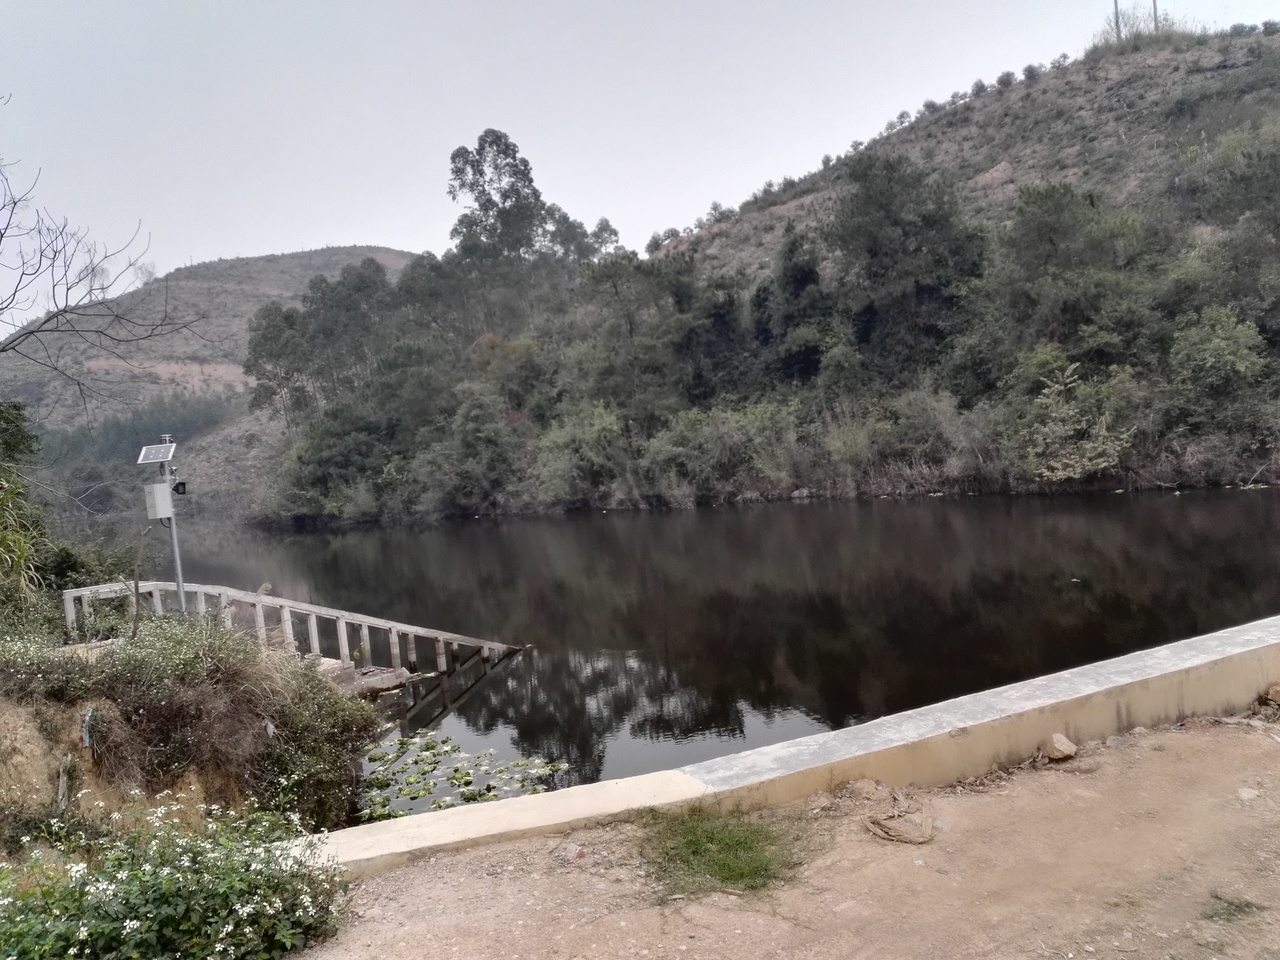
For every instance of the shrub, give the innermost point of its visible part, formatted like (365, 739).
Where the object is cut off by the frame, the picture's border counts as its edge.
(1243, 29)
(719, 213)
(979, 87)
(306, 767)
(193, 695)
(1032, 71)
(33, 668)
(1006, 80)
(1270, 28)
(158, 890)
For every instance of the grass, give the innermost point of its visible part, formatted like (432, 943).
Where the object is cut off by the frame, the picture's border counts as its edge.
(1224, 908)
(702, 850)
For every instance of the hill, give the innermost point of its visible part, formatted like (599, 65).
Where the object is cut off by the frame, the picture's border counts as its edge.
(217, 298)
(1062, 280)
(1115, 121)
(189, 383)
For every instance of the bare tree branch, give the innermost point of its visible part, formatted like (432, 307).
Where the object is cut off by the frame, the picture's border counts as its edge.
(58, 284)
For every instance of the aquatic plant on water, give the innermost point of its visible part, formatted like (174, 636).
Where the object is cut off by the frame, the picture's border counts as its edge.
(432, 772)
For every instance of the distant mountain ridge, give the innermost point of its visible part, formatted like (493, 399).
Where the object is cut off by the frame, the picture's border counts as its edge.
(219, 297)
(1111, 121)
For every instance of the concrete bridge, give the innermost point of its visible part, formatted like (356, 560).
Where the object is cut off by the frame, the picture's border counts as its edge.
(436, 670)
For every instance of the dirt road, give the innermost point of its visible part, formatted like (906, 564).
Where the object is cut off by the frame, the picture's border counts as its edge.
(1118, 853)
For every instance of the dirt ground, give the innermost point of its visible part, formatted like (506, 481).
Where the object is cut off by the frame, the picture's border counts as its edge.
(1117, 853)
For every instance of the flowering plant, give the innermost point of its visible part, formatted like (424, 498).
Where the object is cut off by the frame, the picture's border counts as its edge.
(240, 886)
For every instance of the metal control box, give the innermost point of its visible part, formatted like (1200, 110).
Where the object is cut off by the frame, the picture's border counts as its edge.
(159, 501)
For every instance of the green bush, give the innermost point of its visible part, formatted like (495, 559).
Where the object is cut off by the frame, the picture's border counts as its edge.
(192, 695)
(33, 668)
(240, 887)
(309, 764)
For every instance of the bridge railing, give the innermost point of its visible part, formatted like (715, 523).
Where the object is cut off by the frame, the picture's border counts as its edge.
(360, 640)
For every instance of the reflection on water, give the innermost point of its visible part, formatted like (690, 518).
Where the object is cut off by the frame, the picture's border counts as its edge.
(662, 639)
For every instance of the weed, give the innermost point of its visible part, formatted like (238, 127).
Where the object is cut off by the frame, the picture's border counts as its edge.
(701, 850)
(1224, 908)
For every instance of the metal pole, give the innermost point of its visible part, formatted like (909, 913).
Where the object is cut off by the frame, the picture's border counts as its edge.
(1155, 15)
(1119, 38)
(173, 533)
(177, 564)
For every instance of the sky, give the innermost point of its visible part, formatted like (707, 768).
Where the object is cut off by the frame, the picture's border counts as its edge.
(248, 127)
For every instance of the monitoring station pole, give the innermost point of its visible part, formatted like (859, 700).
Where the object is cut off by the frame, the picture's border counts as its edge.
(160, 500)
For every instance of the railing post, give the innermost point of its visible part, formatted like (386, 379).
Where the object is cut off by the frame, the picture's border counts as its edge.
(201, 608)
(442, 662)
(313, 634)
(157, 604)
(224, 599)
(286, 623)
(366, 654)
(394, 634)
(344, 647)
(259, 621)
(69, 611)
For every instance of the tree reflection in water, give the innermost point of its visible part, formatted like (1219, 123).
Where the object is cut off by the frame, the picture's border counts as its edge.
(678, 626)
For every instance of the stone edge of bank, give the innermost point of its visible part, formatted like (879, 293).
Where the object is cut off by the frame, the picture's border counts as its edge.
(1214, 674)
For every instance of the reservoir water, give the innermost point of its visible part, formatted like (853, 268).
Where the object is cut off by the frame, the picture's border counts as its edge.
(661, 639)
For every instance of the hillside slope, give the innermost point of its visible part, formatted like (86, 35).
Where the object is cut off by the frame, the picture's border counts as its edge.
(1113, 122)
(217, 298)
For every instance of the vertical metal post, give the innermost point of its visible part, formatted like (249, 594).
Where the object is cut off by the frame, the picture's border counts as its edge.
(1155, 15)
(1119, 38)
(177, 566)
(177, 556)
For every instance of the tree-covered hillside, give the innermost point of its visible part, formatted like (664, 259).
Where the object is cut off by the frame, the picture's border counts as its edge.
(1016, 290)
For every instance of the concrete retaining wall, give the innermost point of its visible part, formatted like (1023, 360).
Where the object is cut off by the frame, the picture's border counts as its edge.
(1215, 674)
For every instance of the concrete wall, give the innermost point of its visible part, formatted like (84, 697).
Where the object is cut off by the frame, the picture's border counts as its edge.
(1219, 673)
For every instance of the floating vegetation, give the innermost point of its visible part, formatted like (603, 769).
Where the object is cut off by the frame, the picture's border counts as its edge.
(432, 772)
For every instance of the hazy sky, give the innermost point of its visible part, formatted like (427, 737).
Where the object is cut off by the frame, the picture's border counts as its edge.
(246, 127)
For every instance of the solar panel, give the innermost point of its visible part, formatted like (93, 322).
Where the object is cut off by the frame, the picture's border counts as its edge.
(157, 453)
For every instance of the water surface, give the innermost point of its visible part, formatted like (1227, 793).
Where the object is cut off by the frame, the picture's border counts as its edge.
(666, 638)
